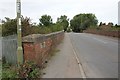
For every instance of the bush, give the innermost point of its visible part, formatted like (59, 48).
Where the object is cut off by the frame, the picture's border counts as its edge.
(27, 70)
(9, 27)
(9, 71)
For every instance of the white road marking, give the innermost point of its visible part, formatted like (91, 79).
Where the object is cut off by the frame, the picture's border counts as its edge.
(100, 40)
(95, 39)
(79, 63)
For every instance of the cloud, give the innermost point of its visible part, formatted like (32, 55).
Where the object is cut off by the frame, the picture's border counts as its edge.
(105, 10)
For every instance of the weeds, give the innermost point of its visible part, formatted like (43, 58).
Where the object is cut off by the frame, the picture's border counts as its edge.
(27, 70)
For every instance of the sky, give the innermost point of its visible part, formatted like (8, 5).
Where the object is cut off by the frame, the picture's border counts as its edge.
(105, 10)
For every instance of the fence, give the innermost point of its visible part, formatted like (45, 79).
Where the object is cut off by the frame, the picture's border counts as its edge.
(9, 48)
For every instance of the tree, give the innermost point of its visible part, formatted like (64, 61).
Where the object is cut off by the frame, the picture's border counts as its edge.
(83, 21)
(9, 26)
(100, 24)
(26, 26)
(45, 20)
(110, 24)
(63, 20)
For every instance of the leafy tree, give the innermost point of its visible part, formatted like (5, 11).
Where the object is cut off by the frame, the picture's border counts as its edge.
(83, 21)
(26, 26)
(100, 24)
(45, 20)
(63, 20)
(110, 24)
(9, 26)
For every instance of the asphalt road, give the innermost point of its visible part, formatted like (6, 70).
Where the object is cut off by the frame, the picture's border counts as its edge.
(63, 64)
(98, 54)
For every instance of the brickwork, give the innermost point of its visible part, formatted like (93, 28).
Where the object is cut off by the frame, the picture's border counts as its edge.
(37, 47)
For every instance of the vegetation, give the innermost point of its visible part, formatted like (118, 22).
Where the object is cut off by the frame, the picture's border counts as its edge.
(9, 26)
(63, 20)
(0, 30)
(9, 71)
(81, 22)
(45, 20)
(27, 70)
(103, 27)
(0, 69)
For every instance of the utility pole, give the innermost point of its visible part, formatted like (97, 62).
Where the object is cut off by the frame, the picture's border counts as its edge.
(19, 37)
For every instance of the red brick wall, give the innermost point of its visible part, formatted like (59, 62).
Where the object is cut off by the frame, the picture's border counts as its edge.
(37, 47)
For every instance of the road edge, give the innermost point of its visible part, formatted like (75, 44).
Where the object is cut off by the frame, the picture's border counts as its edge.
(81, 69)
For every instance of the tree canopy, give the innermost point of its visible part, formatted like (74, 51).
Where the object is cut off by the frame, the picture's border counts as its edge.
(83, 21)
(45, 20)
(9, 26)
(63, 20)
(78, 23)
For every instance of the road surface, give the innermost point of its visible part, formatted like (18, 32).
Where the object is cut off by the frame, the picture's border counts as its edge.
(63, 64)
(98, 54)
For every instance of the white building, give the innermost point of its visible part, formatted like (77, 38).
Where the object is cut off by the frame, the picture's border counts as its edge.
(119, 13)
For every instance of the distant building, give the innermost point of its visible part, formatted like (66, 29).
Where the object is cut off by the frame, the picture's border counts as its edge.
(119, 13)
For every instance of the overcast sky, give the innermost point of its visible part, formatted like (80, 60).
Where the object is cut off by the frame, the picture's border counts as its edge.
(105, 10)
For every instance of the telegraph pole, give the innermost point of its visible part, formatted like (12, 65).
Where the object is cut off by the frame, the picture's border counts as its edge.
(19, 37)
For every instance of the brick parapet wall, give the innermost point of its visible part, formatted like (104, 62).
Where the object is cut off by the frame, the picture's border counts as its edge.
(37, 47)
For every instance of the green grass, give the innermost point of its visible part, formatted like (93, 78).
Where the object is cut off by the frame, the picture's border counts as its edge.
(9, 71)
(54, 52)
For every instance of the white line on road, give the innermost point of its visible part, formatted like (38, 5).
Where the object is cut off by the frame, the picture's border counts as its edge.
(95, 39)
(79, 64)
(100, 40)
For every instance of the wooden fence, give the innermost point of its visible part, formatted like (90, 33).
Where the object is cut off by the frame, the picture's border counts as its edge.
(9, 48)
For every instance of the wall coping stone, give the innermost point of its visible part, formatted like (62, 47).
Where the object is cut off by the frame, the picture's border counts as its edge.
(38, 37)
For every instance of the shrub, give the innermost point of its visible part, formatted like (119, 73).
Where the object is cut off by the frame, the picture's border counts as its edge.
(27, 70)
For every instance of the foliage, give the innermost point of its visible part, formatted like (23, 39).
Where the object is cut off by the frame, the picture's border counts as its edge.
(0, 69)
(63, 20)
(9, 27)
(26, 26)
(27, 70)
(45, 20)
(0, 30)
(9, 71)
(100, 24)
(56, 27)
(115, 28)
(104, 27)
(83, 21)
